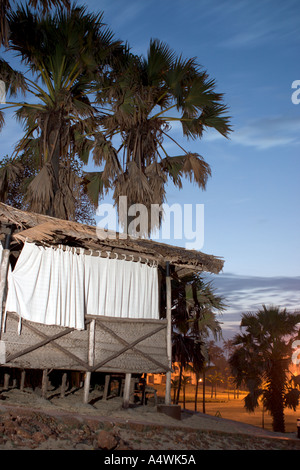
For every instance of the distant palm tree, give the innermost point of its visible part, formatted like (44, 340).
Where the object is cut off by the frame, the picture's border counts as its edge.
(185, 349)
(198, 379)
(214, 378)
(193, 321)
(185, 381)
(262, 355)
(65, 51)
(147, 95)
(174, 385)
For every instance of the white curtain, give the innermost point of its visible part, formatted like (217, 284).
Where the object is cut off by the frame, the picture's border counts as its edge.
(46, 287)
(119, 288)
(58, 287)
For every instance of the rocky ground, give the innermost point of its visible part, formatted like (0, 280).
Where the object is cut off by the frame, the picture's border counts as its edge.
(28, 422)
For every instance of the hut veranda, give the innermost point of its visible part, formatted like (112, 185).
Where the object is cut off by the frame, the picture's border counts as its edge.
(75, 298)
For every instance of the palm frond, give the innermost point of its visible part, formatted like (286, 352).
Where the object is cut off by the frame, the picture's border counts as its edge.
(9, 172)
(93, 186)
(14, 80)
(41, 191)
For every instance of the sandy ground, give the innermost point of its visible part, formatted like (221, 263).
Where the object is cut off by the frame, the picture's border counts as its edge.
(28, 421)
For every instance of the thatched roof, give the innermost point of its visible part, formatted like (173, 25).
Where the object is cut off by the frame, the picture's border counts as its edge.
(51, 231)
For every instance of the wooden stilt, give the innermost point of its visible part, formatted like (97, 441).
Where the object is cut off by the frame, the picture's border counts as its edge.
(6, 381)
(86, 387)
(91, 357)
(169, 335)
(22, 382)
(106, 386)
(127, 388)
(63, 385)
(45, 383)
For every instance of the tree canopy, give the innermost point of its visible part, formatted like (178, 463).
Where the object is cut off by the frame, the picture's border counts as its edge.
(89, 89)
(262, 357)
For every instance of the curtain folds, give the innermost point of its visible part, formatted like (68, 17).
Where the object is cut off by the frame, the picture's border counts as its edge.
(58, 287)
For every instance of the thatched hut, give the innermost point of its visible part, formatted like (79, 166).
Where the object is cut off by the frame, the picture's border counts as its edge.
(124, 334)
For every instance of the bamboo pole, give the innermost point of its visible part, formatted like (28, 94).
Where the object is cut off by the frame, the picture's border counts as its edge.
(169, 335)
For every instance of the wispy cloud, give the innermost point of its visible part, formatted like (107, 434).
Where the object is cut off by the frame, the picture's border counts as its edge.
(257, 24)
(263, 133)
(268, 132)
(248, 293)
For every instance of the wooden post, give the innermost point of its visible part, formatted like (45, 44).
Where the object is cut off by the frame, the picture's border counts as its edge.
(63, 385)
(45, 383)
(106, 386)
(6, 381)
(169, 335)
(22, 382)
(91, 357)
(3, 272)
(127, 389)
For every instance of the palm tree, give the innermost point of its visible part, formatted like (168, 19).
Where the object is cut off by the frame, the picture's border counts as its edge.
(15, 175)
(148, 94)
(174, 385)
(65, 51)
(263, 354)
(185, 381)
(14, 81)
(214, 379)
(6, 8)
(193, 321)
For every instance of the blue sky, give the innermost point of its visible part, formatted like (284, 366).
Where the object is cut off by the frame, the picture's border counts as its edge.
(251, 204)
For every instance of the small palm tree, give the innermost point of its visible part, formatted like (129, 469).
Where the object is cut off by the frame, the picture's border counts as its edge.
(215, 378)
(263, 354)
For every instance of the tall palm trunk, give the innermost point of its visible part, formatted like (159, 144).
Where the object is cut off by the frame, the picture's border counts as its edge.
(179, 383)
(54, 146)
(203, 392)
(196, 392)
(277, 402)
